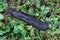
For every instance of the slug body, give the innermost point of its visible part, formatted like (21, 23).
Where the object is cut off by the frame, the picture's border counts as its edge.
(30, 20)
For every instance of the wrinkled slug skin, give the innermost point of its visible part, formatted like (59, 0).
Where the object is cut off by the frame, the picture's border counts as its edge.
(30, 20)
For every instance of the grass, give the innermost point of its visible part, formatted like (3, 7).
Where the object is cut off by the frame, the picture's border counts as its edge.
(44, 10)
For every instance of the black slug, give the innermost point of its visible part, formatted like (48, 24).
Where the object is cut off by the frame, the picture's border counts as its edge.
(30, 20)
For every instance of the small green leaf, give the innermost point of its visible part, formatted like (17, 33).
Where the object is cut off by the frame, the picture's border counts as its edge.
(42, 7)
(31, 11)
(27, 3)
(28, 27)
(1, 9)
(7, 29)
(13, 38)
(27, 38)
(24, 10)
(47, 9)
(37, 3)
(1, 17)
(0, 24)
(44, 10)
(1, 32)
(37, 14)
(20, 27)
(16, 30)
(3, 6)
(23, 32)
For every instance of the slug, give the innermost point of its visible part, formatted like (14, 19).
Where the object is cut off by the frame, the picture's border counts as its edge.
(29, 19)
